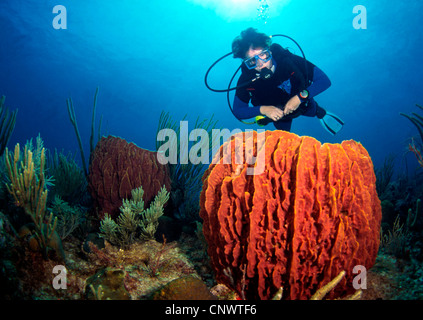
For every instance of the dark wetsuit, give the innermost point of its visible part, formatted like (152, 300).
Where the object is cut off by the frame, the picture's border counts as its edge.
(288, 80)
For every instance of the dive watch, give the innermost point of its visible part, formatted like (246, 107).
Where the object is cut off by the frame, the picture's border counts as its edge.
(303, 95)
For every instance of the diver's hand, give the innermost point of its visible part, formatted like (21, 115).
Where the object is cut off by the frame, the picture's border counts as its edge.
(291, 105)
(271, 112)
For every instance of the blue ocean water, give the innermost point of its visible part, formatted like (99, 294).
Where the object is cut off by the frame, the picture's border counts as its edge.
(151, 56)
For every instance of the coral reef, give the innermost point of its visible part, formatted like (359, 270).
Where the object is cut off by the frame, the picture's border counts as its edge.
(312, 213)
(28, 188)
(107, 284)
(417, 120)
(149, 266)
(8, 275)
(185, 288)
(396, 241)
(69, 218)
(117, 167)
(70, 182)
(302, 214)
(416, 150)
(72, 118)
(185, 175)
(134, 217)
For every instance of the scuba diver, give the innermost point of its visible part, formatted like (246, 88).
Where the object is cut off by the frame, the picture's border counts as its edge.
(279, 84)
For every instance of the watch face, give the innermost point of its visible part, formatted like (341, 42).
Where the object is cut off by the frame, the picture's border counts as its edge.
(304, 94)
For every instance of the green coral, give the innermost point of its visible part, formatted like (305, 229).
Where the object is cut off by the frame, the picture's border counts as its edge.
(416, 119)
(414, 147)
(69, 217)
(395, 241)
(413, 215)
(72, 118)
(70, 183)
(107, 284)
(150, 217)
(28, 188)
(36, 150)
(134, 220)
(186, 177)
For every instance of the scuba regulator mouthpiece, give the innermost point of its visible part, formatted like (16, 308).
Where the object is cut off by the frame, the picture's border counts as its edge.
(265, 73)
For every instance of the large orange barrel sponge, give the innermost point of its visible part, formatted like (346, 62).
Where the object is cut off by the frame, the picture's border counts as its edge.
(308, 213)
(117, 167)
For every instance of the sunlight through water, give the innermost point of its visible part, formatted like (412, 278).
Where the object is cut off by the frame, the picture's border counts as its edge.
(241, 9)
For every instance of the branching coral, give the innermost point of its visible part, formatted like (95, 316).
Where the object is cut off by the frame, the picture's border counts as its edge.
(413, 215)
(72, 118)
(69, 217)
(28, 188)
(36, 150)
(134, 217)
(417, 120)
(27, 185)
(186, 177)
(394, 241)
(416, 150)
(150, 217)
(70, 183)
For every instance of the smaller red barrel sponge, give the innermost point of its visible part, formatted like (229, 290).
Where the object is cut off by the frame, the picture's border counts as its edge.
(117, 167)
(309, 213)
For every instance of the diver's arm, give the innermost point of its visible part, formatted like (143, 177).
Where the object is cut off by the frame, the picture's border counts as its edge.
(242, 110)
(271, 112)
(291, 105)
(321, 82)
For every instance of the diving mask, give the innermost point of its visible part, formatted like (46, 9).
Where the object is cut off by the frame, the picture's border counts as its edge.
(263, 56)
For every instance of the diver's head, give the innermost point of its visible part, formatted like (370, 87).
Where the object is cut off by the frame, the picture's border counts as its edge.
(247, 39)
(258, 58)
(253, 47)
